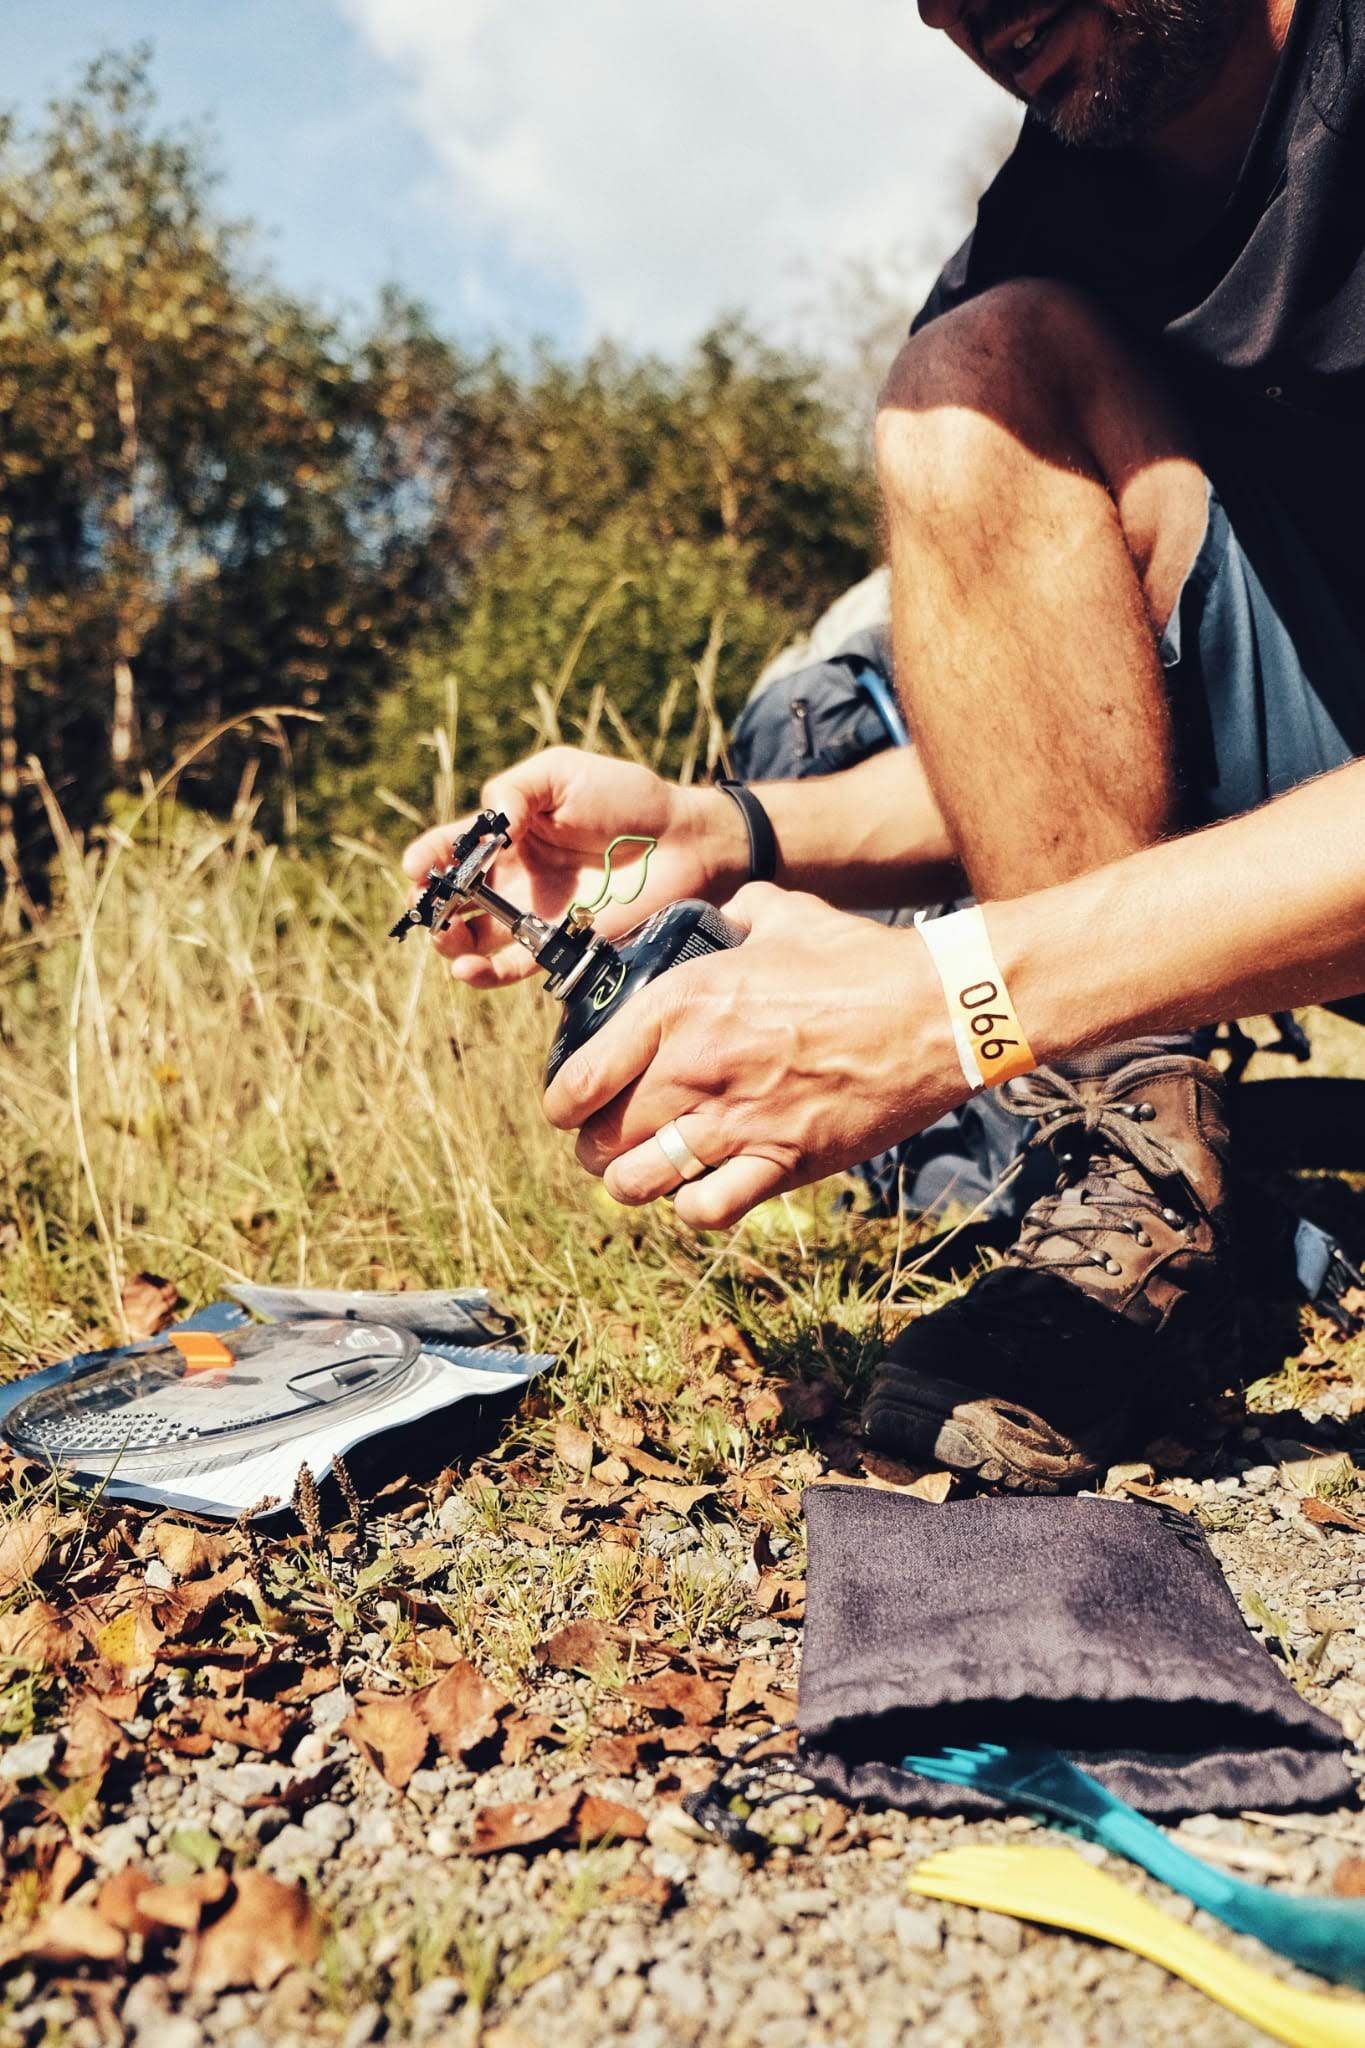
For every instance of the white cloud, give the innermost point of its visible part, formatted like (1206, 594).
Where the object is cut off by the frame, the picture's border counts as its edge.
(665, 160)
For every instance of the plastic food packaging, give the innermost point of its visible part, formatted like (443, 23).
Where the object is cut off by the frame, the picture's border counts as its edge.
(219, 1413)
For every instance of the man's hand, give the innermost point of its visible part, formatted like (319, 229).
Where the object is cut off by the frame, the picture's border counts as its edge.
(563, 809)
(819, 1041)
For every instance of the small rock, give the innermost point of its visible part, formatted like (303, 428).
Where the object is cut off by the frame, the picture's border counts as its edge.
(31, 1759)
(798, 1905)
(621, 2000)
(436, 1998)
(147, 2001)
(264, 1821)
(331, 1708)
(114, 1847)
(878, 1917)
(158, 1577)
(681, 1987)
(364, 2026)
(919, 1928)
(244, 1783)
(1000, 1933)
(719, 1876)
(293, 1846)
(672, 1828)
(328, 1821)
(375, 1830)
(171, 2030)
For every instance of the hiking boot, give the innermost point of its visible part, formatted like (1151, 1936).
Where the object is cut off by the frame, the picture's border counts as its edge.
(1116, 1304)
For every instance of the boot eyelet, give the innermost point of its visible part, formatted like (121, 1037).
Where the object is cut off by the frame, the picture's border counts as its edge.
(1143, 1239)
(1147, 1112)
(1112, 1266)
(1170, 1216)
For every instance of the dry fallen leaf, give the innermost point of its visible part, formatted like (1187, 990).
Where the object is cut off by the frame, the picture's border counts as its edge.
(578, 1646)
(36, 1637)
(461, 1709)
(183, 1905)
(391, 1734)
(317, 1678)
(73, 1932)
(251, 1724)
(682, 1499)
(1348, 1882)
(574, 1447)
(269, 1928)
(693, 1699)
(617, 1429)
(130, 1641)
(524, 1731)
(747, 1688)
(525, 1824)
(762, 1411)
(119, 1899)
(91, 1740)
(645, 1463)
(784, 1597)
(187, 1552)
(618, 1756)
(646, 1887)
(184, 1608)
(149, 1303)
(24, 1546)
(67, 1866)
(1331, 1514)
(598, 1819)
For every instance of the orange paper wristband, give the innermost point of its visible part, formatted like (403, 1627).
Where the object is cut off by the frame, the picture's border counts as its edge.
(991, 1043)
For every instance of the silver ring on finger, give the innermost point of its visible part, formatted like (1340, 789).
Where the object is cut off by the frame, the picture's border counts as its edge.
(679, 1153)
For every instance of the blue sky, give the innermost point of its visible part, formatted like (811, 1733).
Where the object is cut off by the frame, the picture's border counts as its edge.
(631, 167)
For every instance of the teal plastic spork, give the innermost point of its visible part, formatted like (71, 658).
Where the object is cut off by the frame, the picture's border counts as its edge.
(1324, 1935)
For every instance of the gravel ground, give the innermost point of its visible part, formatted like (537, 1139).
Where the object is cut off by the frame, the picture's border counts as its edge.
(675, 1941)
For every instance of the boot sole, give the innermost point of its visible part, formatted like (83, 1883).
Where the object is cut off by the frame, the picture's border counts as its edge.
(1001, 1443)
(981, 1437)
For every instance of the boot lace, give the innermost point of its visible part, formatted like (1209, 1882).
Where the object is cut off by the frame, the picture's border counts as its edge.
(1116, 1175)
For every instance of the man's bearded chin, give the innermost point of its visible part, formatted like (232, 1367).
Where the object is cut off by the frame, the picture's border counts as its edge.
(1158, 59)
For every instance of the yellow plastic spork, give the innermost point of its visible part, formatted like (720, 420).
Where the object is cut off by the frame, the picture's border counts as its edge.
(1060, 1889)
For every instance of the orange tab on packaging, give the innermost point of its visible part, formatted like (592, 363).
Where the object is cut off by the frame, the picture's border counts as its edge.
(990, 1040)
(201, 1350)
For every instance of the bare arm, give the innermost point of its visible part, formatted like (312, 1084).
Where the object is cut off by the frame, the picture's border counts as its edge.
(869, 838)
(1260, 913)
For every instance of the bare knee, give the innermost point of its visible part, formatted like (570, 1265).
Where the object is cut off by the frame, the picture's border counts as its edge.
(1016, 348)
(1030, 373)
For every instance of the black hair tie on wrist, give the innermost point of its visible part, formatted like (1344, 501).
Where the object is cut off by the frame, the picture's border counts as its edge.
(758, 825)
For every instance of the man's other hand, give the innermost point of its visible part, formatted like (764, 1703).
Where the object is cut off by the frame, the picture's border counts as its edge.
(818, 1042)
(563, 809)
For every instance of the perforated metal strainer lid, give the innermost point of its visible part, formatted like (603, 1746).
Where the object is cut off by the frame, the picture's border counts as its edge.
(197, 1394)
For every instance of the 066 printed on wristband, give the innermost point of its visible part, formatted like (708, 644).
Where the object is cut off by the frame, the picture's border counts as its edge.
(991, 1043)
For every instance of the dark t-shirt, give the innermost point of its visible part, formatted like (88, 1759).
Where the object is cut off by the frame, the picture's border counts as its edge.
(1259, 316)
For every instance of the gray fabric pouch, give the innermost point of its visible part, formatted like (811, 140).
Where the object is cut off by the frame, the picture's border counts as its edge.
(1102, 1627)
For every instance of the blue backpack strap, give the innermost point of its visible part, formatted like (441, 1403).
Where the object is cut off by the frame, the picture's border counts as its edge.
(880, 695)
